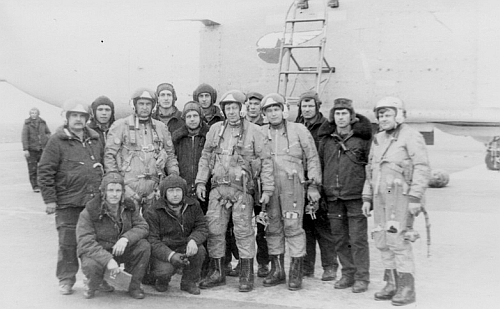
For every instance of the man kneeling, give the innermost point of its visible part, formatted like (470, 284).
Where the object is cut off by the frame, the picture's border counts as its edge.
(111, 231)
(177, 232)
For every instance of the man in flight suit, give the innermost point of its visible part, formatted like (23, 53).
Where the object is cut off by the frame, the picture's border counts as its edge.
(141, 149)
(397, 175)
(235, 154)
(292, 149)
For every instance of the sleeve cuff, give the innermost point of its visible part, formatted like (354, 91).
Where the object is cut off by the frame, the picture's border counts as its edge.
(170, 256)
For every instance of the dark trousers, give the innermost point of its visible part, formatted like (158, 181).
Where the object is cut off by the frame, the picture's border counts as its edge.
(262, 253)
(190, 273)
(231, 248)
(67, 260)
(349, 229)
(134, 257)
(319, 230)
(33, 160)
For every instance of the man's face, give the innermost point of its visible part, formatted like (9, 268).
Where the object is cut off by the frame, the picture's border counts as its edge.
(165, 99)
(174, 196)
(232, 111)
(342, 118)
(205, 99)
(33, 114)
(192, 119)
(253, 107)
(387, 119)
(114, 193)
(308, 107)
(274, 114)
(143, 108)
(76, 121)
(103, 114)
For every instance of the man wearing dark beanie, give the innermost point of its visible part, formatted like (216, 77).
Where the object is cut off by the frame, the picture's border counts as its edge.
(177, 231)
(343, 152)
(206, 95)
(317, 230)
(102, 116)
(167, 112)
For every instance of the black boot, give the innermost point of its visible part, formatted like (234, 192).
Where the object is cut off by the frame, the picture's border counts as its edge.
(295, 274)
(246, 275)
(277, 274)
(406, 290)
(389, 290)
(216, 274)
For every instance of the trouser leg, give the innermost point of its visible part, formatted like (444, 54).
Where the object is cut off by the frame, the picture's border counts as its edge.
(191, 272)
(337, 213)
(311, 238)
(93, 271)
(262, 253)
(274, 235)
(217, 219)
(293, 212)
(33, 167)
(325, 240)
(243, 229)
(67, 262)
(136, 259)
(358, 236)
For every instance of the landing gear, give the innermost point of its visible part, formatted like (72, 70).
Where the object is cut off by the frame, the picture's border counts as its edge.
(492, 159)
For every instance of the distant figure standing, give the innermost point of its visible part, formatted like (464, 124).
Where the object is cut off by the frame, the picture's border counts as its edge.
(35, 136)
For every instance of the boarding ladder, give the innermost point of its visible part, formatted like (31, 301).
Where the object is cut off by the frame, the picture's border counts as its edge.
(302, 46)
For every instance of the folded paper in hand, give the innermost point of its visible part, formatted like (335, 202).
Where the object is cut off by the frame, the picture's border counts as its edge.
(121, 281)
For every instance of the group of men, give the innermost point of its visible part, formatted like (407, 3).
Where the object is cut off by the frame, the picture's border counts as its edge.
(176, 179)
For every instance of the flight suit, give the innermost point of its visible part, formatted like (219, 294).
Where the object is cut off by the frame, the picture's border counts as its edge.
(397, 172)
(292, 149)
(234, 156)
(140, 151)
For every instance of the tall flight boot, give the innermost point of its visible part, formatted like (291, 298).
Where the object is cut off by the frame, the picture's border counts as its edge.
(277, 274)
(406, 290)
(246, 275)
(216, 274)
(295, 274)
(389, 290)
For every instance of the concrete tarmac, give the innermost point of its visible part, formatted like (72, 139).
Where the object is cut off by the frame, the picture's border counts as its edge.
(461, 272)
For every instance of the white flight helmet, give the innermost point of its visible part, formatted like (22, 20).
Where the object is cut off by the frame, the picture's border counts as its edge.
(75, 105)
(395, 103)
(275, 99)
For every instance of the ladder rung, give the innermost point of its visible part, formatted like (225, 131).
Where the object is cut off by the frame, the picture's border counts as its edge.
(301, 46)
(309, 70)
(305, 20)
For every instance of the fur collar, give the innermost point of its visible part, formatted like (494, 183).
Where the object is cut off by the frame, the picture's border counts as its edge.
(183, 132)
(362, 128)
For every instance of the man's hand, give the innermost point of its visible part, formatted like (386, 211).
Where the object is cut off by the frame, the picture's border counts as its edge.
(415, 208)
(264, 198)
(120, 246)
(191, 248)
(201, 191)
(113, 267)
(50, 208)
(313, 194)
(366, 208)
(26, 154)
(161, 160)
(178, 260)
